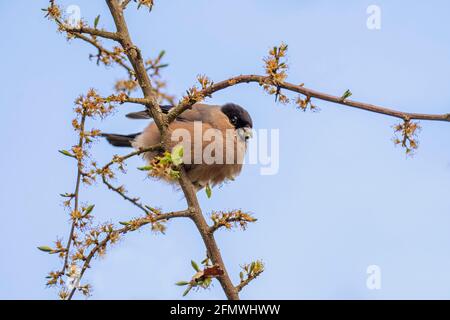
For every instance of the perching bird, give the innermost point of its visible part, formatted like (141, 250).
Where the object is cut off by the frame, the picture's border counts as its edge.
(216, 137)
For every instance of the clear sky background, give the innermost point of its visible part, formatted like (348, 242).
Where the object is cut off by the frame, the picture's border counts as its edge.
(345, 197)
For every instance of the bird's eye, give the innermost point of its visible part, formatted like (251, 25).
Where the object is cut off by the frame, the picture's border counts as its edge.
(234, 120)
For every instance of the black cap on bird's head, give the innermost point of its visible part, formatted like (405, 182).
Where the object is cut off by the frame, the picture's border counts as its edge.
(239, 117)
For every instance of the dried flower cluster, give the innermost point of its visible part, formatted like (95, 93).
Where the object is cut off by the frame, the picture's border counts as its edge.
(305, 103)
(230, 219)
(406, 135)
(53, 11)
(152, 217)
(146, 3)
(92, 104)
(276, 69)
(250, 272)
(197, 94)
(108, 57)
(127, 86)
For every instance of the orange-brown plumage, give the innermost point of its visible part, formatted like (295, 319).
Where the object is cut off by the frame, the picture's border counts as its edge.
(221, 147)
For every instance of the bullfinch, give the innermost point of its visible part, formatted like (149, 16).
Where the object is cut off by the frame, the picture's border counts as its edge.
(213, 137)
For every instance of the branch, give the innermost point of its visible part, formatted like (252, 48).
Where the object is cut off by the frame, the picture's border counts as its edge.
(246, 282)
(142, 101)
(104, 171)
(114, 233)
(207, 236)
(53, 12)
(86, 30)
(101, 49)
(132, 154)
(125, 4)
(75, 195)
(228, 219)
(252, 271)
(175, 112)
(135, 57)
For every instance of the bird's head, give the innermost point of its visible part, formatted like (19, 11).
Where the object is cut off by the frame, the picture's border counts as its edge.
(239, 118)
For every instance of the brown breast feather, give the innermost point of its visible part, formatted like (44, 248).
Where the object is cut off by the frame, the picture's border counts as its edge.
(199, 173)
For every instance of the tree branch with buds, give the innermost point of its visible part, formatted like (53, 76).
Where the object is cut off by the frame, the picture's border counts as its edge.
(86, 241)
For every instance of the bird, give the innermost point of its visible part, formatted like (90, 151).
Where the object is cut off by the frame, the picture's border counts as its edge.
(224, 131)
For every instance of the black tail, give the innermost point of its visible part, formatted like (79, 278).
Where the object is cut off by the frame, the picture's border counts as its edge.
(120, 140)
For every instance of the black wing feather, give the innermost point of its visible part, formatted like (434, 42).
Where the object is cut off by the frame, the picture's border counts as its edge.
(144, 113)
(120, 140)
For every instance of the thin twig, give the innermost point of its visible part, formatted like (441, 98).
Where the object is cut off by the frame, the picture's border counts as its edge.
(76, 195)
(134, 153)
(102, 49)
(118, 190)
(218, 226)
(86, 30)
(246, 282)
(125, 4)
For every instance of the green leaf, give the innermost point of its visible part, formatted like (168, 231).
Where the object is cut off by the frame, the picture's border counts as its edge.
(89, 209)
(187, 291)
(161, 54)
(206, 283)
(67, 195)
(154, 210)
(346, 95)
(97, 19)
(177, 155)
(208, 191)
(165, 65)
(66, 153)
(145, 168)
(195, 266)
(252, 267)
(124, 223)
(182, 283)
(45, 248)
(174, 174)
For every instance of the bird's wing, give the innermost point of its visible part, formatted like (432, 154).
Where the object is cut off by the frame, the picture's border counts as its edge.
(198, 112)
(144, 113)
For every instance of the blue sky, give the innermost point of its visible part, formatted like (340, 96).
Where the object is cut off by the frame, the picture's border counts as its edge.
(345, 197)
